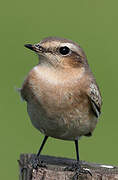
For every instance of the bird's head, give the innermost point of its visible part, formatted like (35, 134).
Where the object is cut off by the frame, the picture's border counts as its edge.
(59, 52)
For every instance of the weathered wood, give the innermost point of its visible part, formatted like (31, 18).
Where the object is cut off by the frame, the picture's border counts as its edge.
(55, 169)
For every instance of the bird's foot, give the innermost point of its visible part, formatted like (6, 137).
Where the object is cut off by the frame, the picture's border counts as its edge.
(76, 167)
(36, 162)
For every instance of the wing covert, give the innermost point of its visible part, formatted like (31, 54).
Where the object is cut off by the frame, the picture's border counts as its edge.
(95, 98)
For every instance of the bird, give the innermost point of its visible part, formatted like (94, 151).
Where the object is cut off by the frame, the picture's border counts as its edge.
(62, 96)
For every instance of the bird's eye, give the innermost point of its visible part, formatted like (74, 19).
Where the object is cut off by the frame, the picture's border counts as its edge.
(64, 50)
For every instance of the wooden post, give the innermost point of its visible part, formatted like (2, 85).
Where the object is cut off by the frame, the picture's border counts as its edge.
(55, 169)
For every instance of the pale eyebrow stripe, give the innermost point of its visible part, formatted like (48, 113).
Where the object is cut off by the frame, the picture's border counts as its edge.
(71, 46)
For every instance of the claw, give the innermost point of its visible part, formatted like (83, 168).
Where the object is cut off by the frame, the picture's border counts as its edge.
(36, 162)
(78, 170)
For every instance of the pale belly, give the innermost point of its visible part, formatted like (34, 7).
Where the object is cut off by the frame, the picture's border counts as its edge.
(56, 105)
(66, 125)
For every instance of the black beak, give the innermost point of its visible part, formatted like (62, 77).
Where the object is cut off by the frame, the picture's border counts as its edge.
(30, 46)
(36, 47)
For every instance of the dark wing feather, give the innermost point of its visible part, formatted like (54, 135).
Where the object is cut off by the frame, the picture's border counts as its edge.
(95, 98)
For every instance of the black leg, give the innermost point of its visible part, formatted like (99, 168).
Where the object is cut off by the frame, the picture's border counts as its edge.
(77, 150)
(42, 145)
(76, 167)
(35, 162)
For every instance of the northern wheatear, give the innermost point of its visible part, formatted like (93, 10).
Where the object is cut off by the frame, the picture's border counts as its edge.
(63, 99)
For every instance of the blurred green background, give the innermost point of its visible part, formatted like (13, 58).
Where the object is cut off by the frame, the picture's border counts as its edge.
(91, 23)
